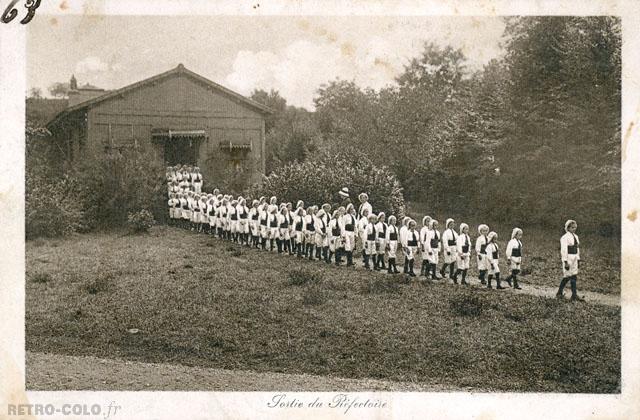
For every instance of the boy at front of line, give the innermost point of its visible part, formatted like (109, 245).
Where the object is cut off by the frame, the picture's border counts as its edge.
(254, 224)
(298, 221)
(334, 235)
(321, 240)
(514, 256)
(360, 230)
(570, 253)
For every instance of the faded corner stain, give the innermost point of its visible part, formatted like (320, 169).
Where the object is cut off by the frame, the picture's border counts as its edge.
(633, 215)
(53, 21)
(347, 49)
(64, 5)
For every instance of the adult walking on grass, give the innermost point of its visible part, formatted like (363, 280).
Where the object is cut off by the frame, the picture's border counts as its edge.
(570, 253)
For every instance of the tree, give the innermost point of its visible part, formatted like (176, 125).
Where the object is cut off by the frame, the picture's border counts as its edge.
(35, 93)
(59, 90)
(291, 133)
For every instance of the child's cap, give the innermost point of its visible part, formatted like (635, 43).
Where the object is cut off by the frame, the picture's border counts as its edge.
(462, 226)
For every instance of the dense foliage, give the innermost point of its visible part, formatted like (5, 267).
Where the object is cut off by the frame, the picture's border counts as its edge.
(51, 208)
(118, 184)
(318, 180)
(533, 138)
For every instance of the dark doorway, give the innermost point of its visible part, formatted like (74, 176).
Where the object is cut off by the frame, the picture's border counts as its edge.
(182, 151)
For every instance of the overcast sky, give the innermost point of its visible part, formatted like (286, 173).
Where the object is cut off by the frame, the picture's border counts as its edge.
(293, 55)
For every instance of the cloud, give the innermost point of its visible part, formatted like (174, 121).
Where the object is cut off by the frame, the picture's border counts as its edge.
(93, 64)
(371, 58)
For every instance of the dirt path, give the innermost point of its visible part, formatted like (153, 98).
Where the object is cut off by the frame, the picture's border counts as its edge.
(49, 372)
(550, 292)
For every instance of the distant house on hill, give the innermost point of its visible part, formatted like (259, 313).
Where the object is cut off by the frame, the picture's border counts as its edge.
(176, 117)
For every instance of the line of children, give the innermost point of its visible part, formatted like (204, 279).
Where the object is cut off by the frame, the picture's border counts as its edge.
(334, 235)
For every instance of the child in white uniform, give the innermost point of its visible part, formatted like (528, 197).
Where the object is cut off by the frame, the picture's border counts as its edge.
(254, 224)
(424, 233)
(381, 239)
(243, 221)
(196, 179)
(514, 256)
(494, 260)
(570, 253)
(361, 226)
(392, 244)
(433, 248)
(298, 221)
(481, 253)
(272, 222)
(320, 226)
(333, 231)
(449, 248)
(369, 241)
(463, 243)
(348, 227)
(410, 246)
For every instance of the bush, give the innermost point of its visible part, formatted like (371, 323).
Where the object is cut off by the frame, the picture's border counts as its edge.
(314, 295)
(467, 305)
(99, 284)
(52, 207)
(118, 184)
(381, 285)
(41, 278)
(140, 221)
(300, 276)
(318, 180)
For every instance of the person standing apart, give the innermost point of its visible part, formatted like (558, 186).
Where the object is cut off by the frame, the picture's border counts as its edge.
(514, 256)
(464, 253)
(570, 253)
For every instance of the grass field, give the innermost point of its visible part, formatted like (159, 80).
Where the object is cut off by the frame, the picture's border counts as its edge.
(200, 301)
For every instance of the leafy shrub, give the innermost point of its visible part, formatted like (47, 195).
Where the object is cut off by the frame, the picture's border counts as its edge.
(467, 305)
(301, 276)
(51, 205)
(41, 278)
(101, 283)
(379, 285)
(314, 294)
(140, 221)
(117, 184)
(318, 180)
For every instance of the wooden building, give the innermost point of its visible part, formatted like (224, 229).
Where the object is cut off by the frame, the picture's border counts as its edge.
(174, 117)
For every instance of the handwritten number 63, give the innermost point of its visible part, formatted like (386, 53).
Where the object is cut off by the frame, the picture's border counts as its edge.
(10, 12)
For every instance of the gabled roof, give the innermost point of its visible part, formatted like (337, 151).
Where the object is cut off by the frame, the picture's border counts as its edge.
(180, 69)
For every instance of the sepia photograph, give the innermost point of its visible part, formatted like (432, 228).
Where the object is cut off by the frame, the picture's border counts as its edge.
(323, 204)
